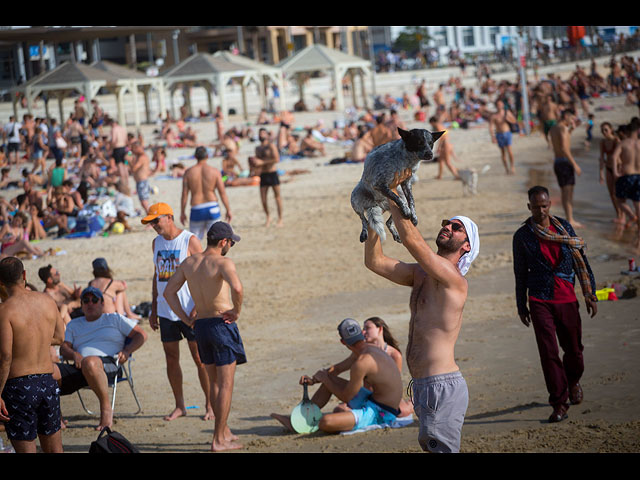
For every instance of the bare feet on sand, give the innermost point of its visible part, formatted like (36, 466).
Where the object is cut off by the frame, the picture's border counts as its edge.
(178, 412)
(285, 420)
(228, 443)
(106, 418)
(209, 415)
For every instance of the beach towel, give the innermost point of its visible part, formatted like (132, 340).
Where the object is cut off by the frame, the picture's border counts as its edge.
(397, 423)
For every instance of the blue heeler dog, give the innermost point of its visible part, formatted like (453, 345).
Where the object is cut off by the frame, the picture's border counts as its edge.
(370, 198)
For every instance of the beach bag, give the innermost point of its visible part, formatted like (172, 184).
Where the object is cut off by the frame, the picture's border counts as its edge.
(112, 442)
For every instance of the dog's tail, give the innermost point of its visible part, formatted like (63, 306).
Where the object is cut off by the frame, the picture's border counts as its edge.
(485, 169)
(376, 221)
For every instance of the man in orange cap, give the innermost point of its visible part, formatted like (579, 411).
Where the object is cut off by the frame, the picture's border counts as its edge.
(170, 248)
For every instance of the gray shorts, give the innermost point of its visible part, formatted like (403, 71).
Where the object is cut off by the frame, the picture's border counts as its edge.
(440, 402)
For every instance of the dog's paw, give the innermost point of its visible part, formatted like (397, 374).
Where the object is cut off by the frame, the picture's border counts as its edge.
(363, 236)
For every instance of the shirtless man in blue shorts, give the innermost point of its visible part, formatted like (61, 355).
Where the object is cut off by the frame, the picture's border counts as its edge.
(202, 181)
(501, 134)
(376, 404)
(217, 294)
(29, 324)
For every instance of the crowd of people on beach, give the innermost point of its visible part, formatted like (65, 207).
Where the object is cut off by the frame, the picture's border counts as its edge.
(74, 179)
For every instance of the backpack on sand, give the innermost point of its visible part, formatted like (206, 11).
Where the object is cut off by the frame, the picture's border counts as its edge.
(112, 442)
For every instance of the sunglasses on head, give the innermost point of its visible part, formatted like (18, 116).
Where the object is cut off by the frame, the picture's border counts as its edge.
(456, 227)
(91, 299)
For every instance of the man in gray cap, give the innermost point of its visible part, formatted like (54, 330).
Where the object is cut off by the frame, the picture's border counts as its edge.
(372, 394)
(439, 292)
(217, 294)
(95, 342)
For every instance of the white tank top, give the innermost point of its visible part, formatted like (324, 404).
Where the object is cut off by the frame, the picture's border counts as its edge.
(167, 255)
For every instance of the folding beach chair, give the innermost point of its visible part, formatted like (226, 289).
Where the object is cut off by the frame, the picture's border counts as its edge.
(125, 373)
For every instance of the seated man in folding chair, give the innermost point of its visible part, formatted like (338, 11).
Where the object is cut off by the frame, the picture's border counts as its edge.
(97, 343)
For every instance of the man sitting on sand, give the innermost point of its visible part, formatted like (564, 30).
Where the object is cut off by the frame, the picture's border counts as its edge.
(98, 343)
(377, 403)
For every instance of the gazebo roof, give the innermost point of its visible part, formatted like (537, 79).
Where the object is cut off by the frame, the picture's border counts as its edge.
(319, 57)
(243, 61)
(201, 65)
(119, 70)
(70, 73)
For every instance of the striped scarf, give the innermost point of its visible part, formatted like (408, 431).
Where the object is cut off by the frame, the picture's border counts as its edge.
(576, 244)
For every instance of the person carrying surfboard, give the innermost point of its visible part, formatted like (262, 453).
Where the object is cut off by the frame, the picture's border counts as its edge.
(362, 407)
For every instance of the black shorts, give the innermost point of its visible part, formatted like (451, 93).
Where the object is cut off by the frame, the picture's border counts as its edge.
(269, 179)
(564, 171)
(13, 147)
(219, 343)
(174, 331)
(33, 403)
(119, 154)
(73, 380)
(628, 187)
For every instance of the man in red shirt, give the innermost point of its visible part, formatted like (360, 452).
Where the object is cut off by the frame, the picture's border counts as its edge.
(547, 257)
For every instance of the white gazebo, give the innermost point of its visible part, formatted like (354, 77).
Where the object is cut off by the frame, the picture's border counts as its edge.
(265, 71)
(213, 74)
(61, 82)
(132, 81)
(318, 57)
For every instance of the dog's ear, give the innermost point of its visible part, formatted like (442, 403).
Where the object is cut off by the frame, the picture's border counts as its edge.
(437, 135)
(404, 134)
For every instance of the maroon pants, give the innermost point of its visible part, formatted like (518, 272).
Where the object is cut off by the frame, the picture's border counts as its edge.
(562, 320)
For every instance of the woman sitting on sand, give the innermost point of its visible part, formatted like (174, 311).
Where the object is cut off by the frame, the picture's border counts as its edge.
(15, 240)
(114, 291)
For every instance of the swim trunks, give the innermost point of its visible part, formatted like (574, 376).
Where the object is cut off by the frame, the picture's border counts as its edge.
(143, 189)
(119, 154)
(269, 179)
(440, 402)
(33, 403)
(202, 217)
(73, 380)
(628, 187)
(219, 343)
(547, 126)
(503, 139)
(174, 331)
(367, 411)
(564, 171)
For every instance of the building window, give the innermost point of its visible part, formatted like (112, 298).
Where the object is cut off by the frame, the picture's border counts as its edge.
(439, 36)
(493, 32)
(468, 39)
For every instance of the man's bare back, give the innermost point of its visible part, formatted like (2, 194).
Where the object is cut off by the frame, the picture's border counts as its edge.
(118, 136)
(201, 180)
(381, 375)
(35, 324)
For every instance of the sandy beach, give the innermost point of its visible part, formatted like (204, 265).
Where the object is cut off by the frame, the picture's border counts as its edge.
(302, 279)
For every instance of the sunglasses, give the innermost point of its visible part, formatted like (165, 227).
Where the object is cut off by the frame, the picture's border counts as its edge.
(232, 242)
(456, 227)
(91, 299)
(155, 220)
